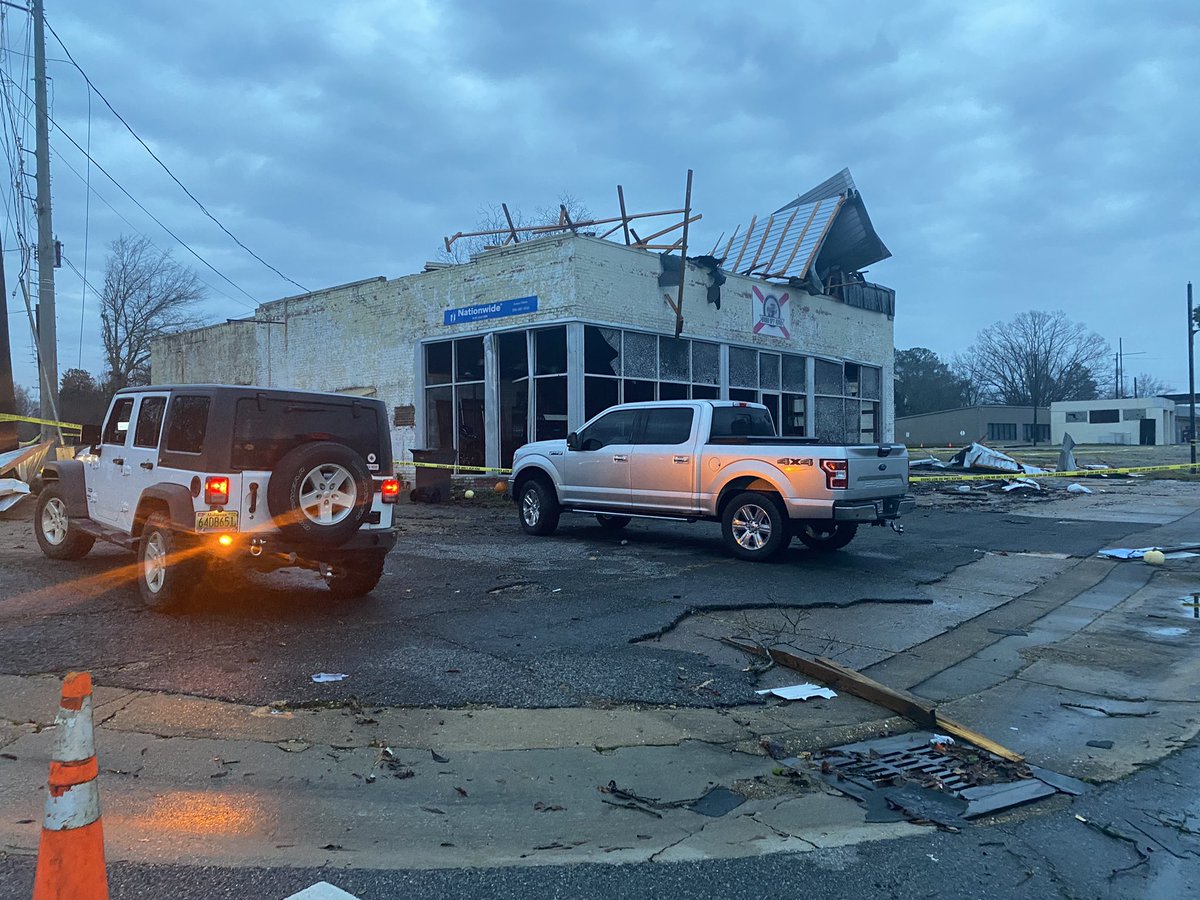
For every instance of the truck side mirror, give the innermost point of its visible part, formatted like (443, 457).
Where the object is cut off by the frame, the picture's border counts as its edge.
(89, 435)
(573, 440)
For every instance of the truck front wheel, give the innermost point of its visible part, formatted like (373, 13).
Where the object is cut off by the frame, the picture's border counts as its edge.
(539, 507)
(826, 535)
(167, 570)
(754, 527)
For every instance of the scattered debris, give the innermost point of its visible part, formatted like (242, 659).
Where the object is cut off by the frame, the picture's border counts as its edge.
(852, 682)
(1010, 632)
(1066, 455)
(1078, 489)
(1111, 713)
(1101, 745)
(1181, 552)
(324, 677)
(438, 758)
(539, 806)
(978, 457)
(12, 492)
(941, 740)
(805, 691)
(717, 802)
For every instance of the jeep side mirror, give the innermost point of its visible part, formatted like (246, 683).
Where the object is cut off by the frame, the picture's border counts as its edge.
(573, 440)
(89, 435)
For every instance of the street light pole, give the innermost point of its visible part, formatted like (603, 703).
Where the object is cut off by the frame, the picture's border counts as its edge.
(1192, 375)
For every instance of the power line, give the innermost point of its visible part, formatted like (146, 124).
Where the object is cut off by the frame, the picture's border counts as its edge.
(154, 156)
(139, 205)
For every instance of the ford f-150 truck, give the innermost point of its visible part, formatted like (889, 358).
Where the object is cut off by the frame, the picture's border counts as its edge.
(715, 461)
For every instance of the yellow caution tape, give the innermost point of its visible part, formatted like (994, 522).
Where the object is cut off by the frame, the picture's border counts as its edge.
(66, 426)
(1077, 473)
(425, 465)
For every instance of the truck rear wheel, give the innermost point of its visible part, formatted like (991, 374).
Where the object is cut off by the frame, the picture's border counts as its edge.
(56, 536)
(826, 536)
(354, 574)
(167, 569)
(613, 523)
(754, 526)
(538, 507)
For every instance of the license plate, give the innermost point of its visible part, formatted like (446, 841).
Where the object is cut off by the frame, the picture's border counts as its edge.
(214, 520)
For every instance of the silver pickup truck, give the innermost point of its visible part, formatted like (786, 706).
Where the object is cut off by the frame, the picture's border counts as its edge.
(711, 460)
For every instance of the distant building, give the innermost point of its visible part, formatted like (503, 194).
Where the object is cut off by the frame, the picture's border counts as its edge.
(1183, 415)
(990, 424)
(1142, 420)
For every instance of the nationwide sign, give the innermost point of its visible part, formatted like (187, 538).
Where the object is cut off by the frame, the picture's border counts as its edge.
(498, 310)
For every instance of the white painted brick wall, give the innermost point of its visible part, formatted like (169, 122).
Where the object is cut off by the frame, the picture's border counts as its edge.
(368, 334)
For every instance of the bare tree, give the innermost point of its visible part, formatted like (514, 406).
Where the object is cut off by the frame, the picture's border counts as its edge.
(1037, 358)
(1146, 385)
(146, 294)
(492, 218)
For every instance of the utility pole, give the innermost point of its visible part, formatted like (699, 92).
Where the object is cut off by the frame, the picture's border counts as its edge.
(47, 335)
(8, 396)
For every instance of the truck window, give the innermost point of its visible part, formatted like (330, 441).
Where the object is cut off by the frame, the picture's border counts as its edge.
(667, 426)
(613, 428)
(116, 429)
(741, 421)
(187, 424)
(149, 421)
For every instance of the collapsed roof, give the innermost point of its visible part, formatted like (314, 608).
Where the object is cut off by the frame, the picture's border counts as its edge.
(822, 230)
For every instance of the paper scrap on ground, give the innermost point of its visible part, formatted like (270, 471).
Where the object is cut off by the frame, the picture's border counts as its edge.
(804, 691)
(322, 890)
(1078, 489)
(322, 677)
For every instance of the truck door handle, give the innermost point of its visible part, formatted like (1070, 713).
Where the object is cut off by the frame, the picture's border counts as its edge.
(681, 459)
(620, 457)
(146, 465)
(118, 461)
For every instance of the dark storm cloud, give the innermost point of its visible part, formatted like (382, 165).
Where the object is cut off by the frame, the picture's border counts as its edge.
(1013, 155)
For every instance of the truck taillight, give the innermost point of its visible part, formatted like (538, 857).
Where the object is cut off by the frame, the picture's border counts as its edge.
(390, 489)
(837, 473)
(216, 490)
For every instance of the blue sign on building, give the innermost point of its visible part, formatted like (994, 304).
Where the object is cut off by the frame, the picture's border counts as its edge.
(498, 310)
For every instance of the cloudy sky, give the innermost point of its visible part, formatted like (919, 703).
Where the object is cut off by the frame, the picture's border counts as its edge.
(1013, 155)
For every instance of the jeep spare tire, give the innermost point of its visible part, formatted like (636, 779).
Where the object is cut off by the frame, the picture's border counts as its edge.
(320, 493)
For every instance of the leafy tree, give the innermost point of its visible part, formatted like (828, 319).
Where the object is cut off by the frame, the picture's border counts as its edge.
(25, 404)
(81, 398)
(146, 294)
(924, 383)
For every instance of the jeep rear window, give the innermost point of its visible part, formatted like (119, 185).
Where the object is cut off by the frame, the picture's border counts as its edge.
(187, 422)
(265, 429)
(741, 421)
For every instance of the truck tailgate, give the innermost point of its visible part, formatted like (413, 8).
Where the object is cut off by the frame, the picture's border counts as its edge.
(876, 471)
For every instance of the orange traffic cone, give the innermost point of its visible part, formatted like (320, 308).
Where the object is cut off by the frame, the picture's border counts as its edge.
(70, 864)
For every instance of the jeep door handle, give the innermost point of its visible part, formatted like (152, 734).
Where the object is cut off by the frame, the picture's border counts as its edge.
(681, 459)
(118, 461)
(620, 457)
(146, 465)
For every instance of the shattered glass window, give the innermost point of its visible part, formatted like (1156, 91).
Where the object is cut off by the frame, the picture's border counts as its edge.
(795, 377)
(852, 380)
(869, 423)
(673, 356)
(792, 419)
(828, 377)
(706, 363)
(768, 371)
(870, 380)
(743, 367)
(641, 355)
(550, 351)
(601, 351)
(853, 421)
(829, 419)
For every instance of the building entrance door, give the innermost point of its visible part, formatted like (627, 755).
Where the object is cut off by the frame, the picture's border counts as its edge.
(1149, 433)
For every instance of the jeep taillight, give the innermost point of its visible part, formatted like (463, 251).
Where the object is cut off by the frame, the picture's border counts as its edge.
(837, 473)
(390, 490)
(216, 490)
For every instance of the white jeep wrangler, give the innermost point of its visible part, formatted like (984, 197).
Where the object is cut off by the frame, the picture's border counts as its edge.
(194, 475)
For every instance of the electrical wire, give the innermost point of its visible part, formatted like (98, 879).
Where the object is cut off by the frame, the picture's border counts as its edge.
(140, 206)
(164, 166)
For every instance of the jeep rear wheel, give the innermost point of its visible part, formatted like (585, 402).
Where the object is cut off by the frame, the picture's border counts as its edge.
(56, 536)
(320, 493)
(167, 569)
